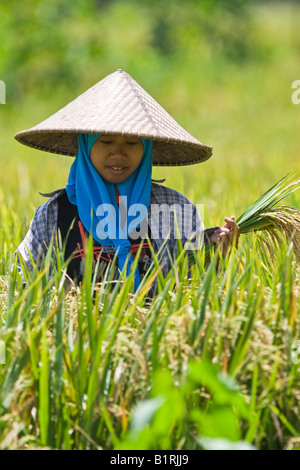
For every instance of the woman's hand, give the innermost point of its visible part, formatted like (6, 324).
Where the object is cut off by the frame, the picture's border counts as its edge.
(226, 235)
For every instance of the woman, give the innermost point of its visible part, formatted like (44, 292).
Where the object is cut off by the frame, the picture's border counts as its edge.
(117, 132)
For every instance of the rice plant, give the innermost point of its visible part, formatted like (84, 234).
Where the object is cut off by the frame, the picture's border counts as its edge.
(266, 215)
(206, 363)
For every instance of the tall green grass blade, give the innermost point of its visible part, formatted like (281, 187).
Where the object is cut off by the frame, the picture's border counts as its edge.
(44, 398)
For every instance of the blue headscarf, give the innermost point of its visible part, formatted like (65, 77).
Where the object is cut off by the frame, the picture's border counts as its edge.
(88, 191)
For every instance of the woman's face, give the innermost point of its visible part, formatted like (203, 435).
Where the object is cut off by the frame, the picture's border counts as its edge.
(116, 157)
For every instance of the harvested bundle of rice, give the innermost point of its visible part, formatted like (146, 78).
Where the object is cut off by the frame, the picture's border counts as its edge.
(270, 219)
(264, 216)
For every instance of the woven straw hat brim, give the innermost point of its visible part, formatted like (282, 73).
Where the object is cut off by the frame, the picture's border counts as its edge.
(165, 153)
(117, 105)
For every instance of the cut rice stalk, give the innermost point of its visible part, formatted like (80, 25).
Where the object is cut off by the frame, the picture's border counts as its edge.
(264, 216)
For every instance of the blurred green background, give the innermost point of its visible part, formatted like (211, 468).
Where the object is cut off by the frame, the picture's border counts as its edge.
(223, 69)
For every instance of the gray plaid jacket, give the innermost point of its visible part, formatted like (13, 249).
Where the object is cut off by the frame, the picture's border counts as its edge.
(170, 216)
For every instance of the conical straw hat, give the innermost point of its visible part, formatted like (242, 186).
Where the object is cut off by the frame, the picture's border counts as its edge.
(117, 105)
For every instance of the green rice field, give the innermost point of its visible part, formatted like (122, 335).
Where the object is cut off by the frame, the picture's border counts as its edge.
(212, 361)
